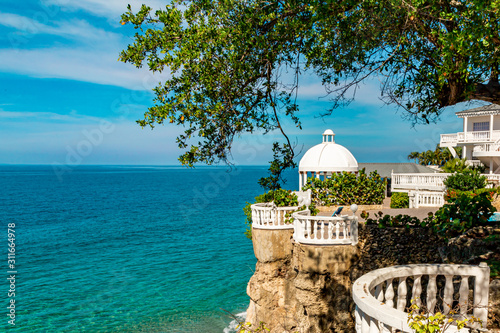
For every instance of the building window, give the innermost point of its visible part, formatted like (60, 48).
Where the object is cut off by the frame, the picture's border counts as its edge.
(483, 126)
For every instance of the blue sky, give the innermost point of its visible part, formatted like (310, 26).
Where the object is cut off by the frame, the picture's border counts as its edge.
(66, 100)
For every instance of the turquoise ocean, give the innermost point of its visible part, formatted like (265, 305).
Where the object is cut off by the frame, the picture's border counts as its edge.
(127, 248)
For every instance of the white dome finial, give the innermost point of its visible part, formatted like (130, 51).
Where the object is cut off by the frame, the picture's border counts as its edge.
(328, 136)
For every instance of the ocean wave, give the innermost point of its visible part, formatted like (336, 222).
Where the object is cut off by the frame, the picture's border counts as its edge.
(231, 328)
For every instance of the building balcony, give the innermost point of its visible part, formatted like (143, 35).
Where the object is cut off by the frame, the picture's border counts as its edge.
(469, 137)
(486, 149)
(383, 296)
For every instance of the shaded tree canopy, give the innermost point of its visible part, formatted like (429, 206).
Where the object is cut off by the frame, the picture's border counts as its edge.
(235, 65)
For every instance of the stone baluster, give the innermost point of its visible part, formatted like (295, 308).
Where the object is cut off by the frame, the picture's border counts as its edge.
(330, 230)
(358, 315)
(464, 295)
(481, 292)
(308, 227)
(431, 293)
(374, 326)
(315, 229)
(402, 290)
(379, 295)
(448, 294)
(417, 290)
(365, 323)
(337, 229)
(389, 294)
(322, 230)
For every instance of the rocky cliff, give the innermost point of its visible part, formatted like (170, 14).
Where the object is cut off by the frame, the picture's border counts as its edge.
(301, 288)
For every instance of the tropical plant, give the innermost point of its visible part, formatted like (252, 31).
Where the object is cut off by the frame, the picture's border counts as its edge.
(459, 165)
(462, 211)
(348, 188)
(466, 180)
(400, 200)
(421, 321)
(438, 156)
(227, 62)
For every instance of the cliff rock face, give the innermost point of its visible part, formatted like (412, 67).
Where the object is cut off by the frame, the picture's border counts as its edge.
(307, 289)
(300, 288)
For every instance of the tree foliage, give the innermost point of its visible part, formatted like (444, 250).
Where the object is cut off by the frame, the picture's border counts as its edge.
(438, 156)
(234, 66)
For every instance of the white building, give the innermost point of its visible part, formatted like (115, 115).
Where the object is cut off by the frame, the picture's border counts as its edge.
(480, 138)
(326, 158)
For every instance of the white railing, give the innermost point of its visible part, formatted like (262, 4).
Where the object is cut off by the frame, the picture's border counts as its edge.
(427, 181)
(449, 138)
(465, 137)
(426, 199)
(474, 163)
(325, 230)
(383, 295)
(267, 216)
(418, 181)
(487, 147)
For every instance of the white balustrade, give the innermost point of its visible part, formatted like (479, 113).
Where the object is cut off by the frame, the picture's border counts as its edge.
(379, 308)
(426, 181)
(426, 199)
(268, 216)
(449, 138)
(418, 181)
(469, 137)
(325, 230)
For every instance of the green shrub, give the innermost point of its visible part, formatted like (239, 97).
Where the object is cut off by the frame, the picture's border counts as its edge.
(463, 210)
(348, 188)
(400, 200)
(467, 180)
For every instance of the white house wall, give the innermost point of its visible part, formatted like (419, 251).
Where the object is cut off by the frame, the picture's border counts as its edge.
(472, 120)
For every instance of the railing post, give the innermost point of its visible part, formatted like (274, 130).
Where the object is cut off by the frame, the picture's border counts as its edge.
(354, 230)
(481, 292)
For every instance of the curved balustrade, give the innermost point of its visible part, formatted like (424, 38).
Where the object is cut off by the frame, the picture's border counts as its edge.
(382, 296)
(268, 216)
(325, 230)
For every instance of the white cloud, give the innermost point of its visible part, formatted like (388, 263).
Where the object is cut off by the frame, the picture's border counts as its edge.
(111, 9)
(42, 116)
(78, 30)
(83, 64)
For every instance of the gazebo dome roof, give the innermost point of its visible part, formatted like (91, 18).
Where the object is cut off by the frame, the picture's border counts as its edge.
(328, 157)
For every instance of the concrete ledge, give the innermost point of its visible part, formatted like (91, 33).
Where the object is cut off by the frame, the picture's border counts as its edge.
(272, 245)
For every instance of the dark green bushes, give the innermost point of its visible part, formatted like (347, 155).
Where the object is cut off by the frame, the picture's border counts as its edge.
(348, 188)
(466, 180)
(463, 210)
(400, 200)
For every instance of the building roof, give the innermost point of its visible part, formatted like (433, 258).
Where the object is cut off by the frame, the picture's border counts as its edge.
(385, 169)
(480, 111)
(328, 157)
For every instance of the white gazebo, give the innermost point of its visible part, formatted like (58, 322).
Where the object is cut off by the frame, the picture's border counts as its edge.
(326, 158)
